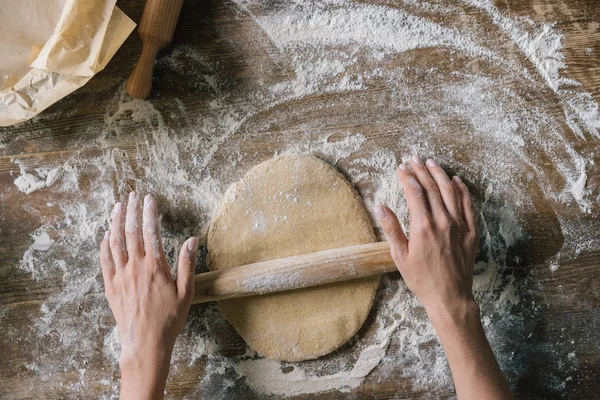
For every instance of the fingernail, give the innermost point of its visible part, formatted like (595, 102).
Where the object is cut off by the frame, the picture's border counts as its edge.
(132, 196)
(431, 162)
(192, 244)
(416, 158)
(380, 212)
(118, 208)
(106, 234)
(403, 167)
(457, 179)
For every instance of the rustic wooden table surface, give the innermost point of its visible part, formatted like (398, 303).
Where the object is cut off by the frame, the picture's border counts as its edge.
(570, 295)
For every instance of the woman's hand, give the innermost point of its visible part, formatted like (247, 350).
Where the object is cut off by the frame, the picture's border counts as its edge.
(437, 266)
(150, 307)
(437, 262)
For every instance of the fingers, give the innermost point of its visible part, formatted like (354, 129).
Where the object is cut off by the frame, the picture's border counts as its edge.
(186, 268)
(117, 236)
(445, 188)
(466, 203)
(413, 191)
(151, 229)
(106, 262)
(393, 232)
(430, 187)
(133, 228)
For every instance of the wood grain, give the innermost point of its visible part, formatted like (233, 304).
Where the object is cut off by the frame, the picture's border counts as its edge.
(568, 300)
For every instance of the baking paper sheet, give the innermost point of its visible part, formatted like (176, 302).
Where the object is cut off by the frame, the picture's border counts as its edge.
(50, 48)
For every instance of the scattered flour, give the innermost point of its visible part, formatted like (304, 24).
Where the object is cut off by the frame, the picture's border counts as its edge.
(339, 48)
(42, 177)
(41, 241)
(330, 149)
(267, 376)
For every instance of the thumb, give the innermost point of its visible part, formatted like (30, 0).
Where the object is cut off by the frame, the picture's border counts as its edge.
(186, 268)
(393, 232)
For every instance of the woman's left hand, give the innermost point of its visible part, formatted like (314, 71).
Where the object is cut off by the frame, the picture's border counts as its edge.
(150, 307)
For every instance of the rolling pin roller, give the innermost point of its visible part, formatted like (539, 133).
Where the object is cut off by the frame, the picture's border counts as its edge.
(156, 30)
(295, 272)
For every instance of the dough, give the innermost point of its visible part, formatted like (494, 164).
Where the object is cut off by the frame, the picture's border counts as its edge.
(283, 207)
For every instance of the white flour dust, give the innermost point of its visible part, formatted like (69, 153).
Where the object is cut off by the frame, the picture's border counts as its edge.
(42, 177)
(491, 94)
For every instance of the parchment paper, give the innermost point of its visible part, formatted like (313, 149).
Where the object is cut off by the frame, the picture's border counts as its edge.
(50, 48)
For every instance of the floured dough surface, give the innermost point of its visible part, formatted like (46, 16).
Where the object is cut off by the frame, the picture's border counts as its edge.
(284, 207)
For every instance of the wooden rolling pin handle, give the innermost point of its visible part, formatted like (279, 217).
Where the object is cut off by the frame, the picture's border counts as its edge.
(296, 272)
(156, 30)
(139, 84)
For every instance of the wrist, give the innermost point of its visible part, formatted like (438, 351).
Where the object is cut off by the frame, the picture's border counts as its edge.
(455, 314)
(144, 373)
(144, 351)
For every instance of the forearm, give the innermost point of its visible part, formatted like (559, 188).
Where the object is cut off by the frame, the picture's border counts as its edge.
(144, 377)
(474, 368)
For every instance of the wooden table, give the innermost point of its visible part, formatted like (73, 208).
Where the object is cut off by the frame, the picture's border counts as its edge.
(568, 299)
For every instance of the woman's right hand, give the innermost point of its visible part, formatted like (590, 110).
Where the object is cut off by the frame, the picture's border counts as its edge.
(437, 266)
(437, 262)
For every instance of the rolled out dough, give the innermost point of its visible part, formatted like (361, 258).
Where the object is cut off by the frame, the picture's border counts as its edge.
(283, 207)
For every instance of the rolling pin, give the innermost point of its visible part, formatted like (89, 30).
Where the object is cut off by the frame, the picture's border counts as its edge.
(295, 272)
(156, 30)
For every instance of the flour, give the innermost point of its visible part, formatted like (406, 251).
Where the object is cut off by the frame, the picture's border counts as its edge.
(332, 23)
(259, 223)
(578, 188)
(330, 149)
(41, 178)
(335, 51)
(271, 283)
(268, 376)
(41, 241)
(543, 46)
